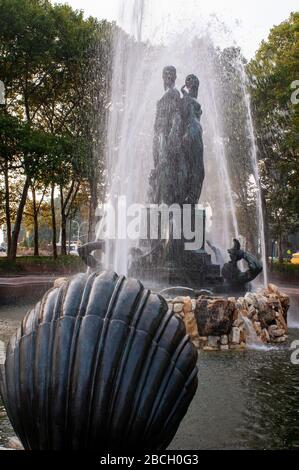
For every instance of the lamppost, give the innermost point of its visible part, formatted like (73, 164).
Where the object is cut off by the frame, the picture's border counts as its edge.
(78, 225)
(79, 228)
(81, 225)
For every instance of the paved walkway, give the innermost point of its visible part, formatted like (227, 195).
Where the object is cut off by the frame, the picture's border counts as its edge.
(18, 288)
(290, 290)
(47, 278)
(16, 281)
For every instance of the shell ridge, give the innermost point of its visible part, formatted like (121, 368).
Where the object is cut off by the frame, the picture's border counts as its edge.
(27, 374)
(104, 332)
(57, 314)
(40, 366)
(17, 384)
(61, 355)
(28, 321)
(75, 356)
(178, 370)
(72, 355)
(165, 380)
(71, 366)
(90, 327)
(101, 339)
(44, 300)
(146, 371)
(11, 380)
(58, 308)
(85, 296)
(49, 392)
(141, 303)
(188, 388)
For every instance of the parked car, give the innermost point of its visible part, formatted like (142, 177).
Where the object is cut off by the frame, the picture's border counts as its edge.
(295, 258)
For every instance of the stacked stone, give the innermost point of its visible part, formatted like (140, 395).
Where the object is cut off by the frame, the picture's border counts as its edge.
(222, 324)
(184, 307)
(267, 309)
(237, 335)
(219, 325)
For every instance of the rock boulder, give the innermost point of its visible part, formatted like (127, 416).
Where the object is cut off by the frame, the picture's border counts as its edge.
(214, 317)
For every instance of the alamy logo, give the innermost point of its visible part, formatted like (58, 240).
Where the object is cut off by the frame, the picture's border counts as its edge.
(2, 93)
(151, 222)
(295, 353)
(295, 94)
(2, 353)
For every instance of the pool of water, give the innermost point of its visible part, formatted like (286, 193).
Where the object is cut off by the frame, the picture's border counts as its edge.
(244, 400)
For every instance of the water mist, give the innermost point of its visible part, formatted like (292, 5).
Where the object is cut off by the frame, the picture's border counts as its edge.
(137, 85)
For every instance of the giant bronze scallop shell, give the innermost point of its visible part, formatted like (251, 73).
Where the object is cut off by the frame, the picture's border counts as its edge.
(99, 363)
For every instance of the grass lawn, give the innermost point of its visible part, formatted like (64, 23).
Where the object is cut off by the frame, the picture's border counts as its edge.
(285, 271)
(41, 264)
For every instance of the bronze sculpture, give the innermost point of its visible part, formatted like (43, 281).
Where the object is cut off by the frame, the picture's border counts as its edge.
(177, 179)
(192, 143)
(164, 183)
(234, 277)
(178, 171)
(99, 364)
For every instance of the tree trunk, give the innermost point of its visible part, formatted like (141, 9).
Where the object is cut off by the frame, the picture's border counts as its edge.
(17, 226)
(63, 234)
(92, 210)
(272, 253)
(280, 249)
(70, 236)
(54, 240)
(266, 226)
(7, 209)
(63, 224)
(35, 223)
(91, 216)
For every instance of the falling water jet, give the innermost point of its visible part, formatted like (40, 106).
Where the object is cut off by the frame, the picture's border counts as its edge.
(254, 160)
(135, 89)
(224, 172)
(252, 339)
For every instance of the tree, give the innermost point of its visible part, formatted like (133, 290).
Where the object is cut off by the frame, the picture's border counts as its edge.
(272, 72)
(28, 39)
(93, 117)
(21, 150)
(230, 65)
(32, 210)
(44, 50)
(11, 132)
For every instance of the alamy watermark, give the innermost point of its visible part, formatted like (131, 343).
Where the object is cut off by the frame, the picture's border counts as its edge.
(295, 354)
(120, 221)
(295, 94)
(2, 92)
(2, 352)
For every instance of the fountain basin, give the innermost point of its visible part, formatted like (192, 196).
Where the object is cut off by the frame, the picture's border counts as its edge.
(224, 323)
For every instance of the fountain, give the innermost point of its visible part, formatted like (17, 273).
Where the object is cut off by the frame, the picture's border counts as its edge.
(100, 340)
(131, 161)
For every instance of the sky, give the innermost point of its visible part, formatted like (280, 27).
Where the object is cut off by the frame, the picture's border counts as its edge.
(248, 22)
